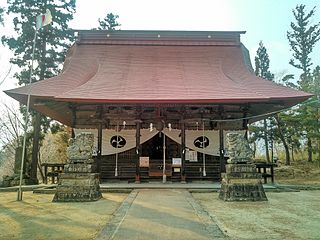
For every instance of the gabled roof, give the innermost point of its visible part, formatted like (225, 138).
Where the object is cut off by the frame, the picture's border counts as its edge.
(158, 67)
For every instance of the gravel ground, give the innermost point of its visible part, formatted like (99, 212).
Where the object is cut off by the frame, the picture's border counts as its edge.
(36, 217)
(287, 215)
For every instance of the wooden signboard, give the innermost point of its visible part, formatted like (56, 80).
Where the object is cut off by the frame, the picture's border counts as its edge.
(144, 161)
(176, 162)
(191, 156)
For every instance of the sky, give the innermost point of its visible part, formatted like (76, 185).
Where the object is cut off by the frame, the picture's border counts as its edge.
(263, 20)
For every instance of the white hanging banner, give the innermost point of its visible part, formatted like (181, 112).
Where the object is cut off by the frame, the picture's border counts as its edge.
(204, 142)
(201, 141)
(124, 139)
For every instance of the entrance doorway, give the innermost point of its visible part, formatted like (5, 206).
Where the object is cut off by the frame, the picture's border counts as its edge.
(154, 150)
(156, 147)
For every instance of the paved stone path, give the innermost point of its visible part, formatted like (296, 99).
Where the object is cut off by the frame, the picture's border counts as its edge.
(160, 214)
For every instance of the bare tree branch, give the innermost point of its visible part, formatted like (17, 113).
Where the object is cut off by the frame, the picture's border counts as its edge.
(5, 77)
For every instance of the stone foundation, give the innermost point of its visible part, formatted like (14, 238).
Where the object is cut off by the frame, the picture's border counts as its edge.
(78, 188)
(241, 182)
(79, 182)
(10, 181)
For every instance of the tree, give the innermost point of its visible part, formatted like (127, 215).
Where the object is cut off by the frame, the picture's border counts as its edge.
(1, 15)
(262, 70)
(256, 133)
(262, 63)
(312, 107)
(52, 44)
(11, 126)
(11, 130)
(302, 39)
(109, 22)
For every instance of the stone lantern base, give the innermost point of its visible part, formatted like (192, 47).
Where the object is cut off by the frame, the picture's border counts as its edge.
(241, 182)
(78, 187)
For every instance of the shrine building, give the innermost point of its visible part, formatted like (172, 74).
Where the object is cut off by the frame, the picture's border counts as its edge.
(158, 102)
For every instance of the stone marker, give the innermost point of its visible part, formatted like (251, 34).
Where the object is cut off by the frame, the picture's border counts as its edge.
(79, 182)
(241, 182)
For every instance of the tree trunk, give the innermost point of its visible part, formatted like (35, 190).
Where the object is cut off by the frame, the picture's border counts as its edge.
(254, 149)
(266, 144)
(283, 140)
(286, 148)
(318, 127)
(35, 148)
(309, 144)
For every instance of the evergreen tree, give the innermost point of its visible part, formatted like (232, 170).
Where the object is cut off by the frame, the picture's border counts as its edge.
(262, 63)
(302, 39)
(52, 44)
(1, 15)
(109, 22)
(262, 70)
(312, 108)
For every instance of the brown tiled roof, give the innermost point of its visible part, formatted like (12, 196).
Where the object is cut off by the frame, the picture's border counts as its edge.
(158, 67)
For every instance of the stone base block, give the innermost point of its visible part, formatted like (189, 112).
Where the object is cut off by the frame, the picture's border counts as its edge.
(78, 187)
(242, 192)
(244, 168)
(77, 194)
(241, 175)
(10, 181)
(80, 168)
(241, 182)
(81, 160)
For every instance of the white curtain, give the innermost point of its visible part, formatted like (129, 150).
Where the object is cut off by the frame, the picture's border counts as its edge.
(174, 134)
(128, 135)
(192, 135)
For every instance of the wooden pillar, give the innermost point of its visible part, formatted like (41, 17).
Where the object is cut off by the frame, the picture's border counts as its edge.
(99, 147)
(183, 151)
(221, 150)
(74, 120)
(245, 125)
(138, 150)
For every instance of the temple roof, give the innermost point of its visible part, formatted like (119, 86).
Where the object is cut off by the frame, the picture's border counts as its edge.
(154, 67)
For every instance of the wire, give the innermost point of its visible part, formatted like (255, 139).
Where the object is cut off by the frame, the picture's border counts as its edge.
(245, 118)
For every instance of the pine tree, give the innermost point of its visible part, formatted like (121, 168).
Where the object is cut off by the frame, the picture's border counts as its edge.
(262, 70)
(109, 22)
(52, 44)
(262, 63)
(1, 15)
(313, 109)
(302, 39)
